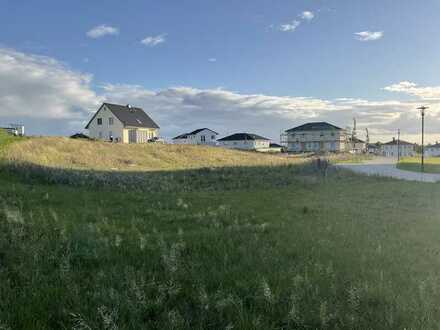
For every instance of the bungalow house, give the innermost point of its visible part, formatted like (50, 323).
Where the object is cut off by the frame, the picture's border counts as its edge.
(245, 141)
(316, 137)
(199, 136)
(433, 150)
(395, 147)
(119, 123)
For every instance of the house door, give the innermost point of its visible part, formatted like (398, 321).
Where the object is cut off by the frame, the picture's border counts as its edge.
(132, 136)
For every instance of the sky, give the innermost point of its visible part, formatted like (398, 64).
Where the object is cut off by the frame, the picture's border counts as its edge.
(258, 66)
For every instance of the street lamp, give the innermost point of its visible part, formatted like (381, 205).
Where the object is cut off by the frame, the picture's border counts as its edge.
(422, 111)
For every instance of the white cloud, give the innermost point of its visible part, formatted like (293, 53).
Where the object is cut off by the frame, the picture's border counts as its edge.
(290, 27)
(369, 35)
(50, 98)
(101, 31)
(153, 41)
(307, 15)
(212, 60)
(41, 87)
(410, 88)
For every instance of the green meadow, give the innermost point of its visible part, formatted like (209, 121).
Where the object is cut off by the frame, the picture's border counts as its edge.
(260, 243)
(432, 164)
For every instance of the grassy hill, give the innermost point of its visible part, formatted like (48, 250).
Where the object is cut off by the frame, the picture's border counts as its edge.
(101, 156)
(264, 246)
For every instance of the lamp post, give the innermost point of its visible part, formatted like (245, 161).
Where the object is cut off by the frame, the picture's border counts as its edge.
(422, 111)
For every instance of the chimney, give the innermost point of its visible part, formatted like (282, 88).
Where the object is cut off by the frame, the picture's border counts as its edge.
(394, 139)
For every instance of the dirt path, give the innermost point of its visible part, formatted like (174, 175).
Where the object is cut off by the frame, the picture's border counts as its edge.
(387, 167)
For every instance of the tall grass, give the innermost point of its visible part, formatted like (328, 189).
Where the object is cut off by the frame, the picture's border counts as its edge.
(269, 246)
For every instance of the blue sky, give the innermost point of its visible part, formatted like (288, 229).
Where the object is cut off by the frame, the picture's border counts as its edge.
(257, 49)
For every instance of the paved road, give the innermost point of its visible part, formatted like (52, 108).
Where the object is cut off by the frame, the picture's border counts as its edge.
(387, 167)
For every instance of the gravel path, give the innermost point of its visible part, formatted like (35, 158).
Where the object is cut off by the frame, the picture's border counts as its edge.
(387, 167)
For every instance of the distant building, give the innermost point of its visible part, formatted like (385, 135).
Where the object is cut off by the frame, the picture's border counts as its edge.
(316, 137)
(14, 129)
(119, 123)
(245, 141)
(433, 150)
(357, 146)
(395, 147)
(275, 147)
(199, 136)
(373, 149)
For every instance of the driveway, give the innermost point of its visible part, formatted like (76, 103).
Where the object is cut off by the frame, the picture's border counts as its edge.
(385, 166)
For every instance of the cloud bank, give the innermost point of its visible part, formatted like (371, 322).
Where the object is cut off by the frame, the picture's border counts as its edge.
(52, 99)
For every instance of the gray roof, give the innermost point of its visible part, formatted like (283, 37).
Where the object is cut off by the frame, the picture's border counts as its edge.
(243, 137)
(185, 135)
(201, 129)
(315, 126)
(437, 145)
(129, 116)
(401, 142)
(356, 140)
(181, 136)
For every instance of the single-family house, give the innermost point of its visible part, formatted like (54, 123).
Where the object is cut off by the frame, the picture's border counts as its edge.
(245, 141)
(199, 136)
(316, 137)
(396, 147)
(432, 150)
(119, 123)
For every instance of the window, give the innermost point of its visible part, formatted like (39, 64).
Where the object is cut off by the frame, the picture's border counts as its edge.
(203, 138)
(99, 121)
(212, 137)
(110, 121)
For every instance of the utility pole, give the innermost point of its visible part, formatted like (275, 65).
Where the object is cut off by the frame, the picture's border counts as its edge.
(398, 145)
(422, 111)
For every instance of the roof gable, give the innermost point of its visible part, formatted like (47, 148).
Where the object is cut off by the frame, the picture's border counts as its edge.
(243, 137)
(201, 130)
(315, 126)
(396, 142)
(129, 116)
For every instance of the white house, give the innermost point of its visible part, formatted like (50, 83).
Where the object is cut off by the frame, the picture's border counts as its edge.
(245, 141)
(316, 137)
(199, 136)
(433, 150)
(395, 147)
(119, 123)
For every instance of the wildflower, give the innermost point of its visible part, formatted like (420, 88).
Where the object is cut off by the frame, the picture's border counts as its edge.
(267, 292)
(118, 240)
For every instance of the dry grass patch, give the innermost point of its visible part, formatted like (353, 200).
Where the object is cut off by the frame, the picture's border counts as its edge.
(91, 155)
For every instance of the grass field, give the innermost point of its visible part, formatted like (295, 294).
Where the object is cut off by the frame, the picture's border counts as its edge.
(263, 246)
(432, 164)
